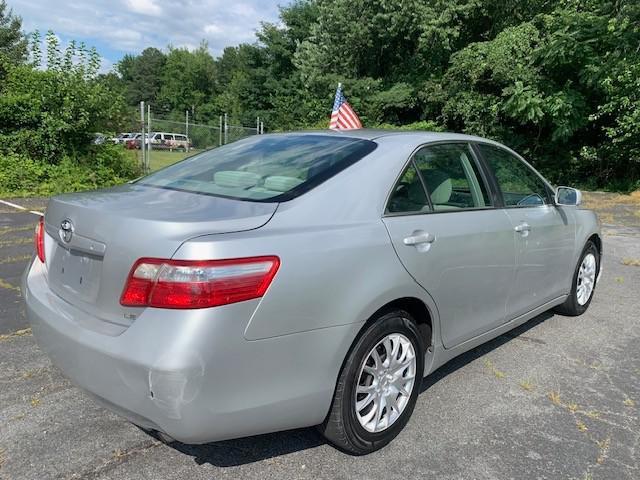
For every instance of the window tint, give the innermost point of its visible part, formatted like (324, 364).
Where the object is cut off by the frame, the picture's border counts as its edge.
(408, 195)
(451, 177)
(263, 168)
(520, 185)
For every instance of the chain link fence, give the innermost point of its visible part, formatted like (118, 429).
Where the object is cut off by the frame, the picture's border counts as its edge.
(167, 141)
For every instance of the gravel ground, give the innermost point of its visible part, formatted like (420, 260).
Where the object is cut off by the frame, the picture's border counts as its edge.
(556, 398)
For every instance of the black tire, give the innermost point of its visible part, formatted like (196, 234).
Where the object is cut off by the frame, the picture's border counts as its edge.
(571, 307)
(342, 427)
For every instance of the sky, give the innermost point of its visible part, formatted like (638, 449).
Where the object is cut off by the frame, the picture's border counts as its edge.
(118, 27)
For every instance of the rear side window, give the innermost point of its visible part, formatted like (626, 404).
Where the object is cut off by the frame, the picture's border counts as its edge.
(263, 168)
(451, 177)
(408, 195)
(520, 185)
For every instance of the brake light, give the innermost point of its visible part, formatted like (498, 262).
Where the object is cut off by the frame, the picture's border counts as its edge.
(38, 239)
(160, 283)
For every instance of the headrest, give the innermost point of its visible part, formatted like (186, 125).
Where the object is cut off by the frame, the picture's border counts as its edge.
(439, 186)
(235, 179)
(280, 183)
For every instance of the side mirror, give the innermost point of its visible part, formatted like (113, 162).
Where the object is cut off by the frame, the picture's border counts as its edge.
(568, 196)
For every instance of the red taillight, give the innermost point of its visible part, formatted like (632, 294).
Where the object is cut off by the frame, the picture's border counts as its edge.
(155, 282)
(38, 239)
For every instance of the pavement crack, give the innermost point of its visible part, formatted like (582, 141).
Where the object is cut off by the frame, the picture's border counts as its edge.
(117, 458)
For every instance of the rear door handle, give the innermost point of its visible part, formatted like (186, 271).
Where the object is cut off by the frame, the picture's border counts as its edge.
(420, 239)
(523, 228)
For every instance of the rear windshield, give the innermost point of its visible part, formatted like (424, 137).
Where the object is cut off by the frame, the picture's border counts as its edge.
(263, 168)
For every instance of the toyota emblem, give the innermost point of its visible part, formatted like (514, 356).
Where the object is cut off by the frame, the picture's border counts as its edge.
(66, 230)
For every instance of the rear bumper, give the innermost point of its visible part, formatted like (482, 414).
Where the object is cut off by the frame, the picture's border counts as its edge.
(192, 374)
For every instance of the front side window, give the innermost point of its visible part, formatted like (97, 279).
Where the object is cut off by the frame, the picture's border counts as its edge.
(451, 177)
(263, 168)
(520, 185)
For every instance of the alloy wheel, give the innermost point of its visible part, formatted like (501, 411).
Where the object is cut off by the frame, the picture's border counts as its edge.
(586, 278)
(385, 383)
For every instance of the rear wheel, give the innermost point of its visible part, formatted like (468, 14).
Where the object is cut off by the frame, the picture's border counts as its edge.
(378, 386)
(584, 282)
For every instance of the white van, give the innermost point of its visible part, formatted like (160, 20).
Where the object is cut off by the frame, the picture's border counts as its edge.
(169, 141)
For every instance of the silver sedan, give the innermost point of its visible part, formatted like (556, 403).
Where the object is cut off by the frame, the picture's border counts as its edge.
(302, 279)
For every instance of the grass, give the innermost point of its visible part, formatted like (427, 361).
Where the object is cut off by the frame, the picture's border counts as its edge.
(162, 158)
(614, 208)
(555, 398)
(16, 241)
(527, 385)
(498, 374)
(15, 259)
(604, 447)
(7, 229)
(18, 333)
(7, 286)
(632, 262)
(581, 425)
(598, 200)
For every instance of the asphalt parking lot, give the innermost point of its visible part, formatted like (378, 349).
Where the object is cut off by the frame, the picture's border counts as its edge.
(557, 398)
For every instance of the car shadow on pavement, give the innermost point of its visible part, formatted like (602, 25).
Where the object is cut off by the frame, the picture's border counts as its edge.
(233, 453)
(517, 333)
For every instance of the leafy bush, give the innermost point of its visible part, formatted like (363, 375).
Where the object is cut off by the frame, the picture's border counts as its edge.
(422, 126)
(48, 117)
(20, 175)
(105, 165)
(52, 113)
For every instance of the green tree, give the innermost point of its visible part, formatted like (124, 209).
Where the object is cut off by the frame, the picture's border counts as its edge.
(188, 80)
(142, 75)
(562, 88)
(13, 43)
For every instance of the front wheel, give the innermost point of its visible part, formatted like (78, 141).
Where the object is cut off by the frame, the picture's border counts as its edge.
(378, 385)
(584, 282)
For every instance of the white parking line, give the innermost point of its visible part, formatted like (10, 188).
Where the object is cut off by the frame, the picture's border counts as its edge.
(35, 212)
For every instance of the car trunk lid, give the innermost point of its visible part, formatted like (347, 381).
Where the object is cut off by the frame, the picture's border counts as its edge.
(95, 238)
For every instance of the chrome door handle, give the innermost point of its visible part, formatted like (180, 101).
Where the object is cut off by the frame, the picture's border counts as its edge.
(419, 237)
(522, 228)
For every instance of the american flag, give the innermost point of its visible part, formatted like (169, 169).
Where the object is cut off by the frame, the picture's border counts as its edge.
(342, 116)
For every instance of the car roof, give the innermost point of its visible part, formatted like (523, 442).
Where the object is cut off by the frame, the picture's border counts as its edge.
(381, 135)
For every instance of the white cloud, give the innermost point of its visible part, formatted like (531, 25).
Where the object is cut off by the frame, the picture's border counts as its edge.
(129, 26)
(145, 7)
(244, 9)
(213, 29)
